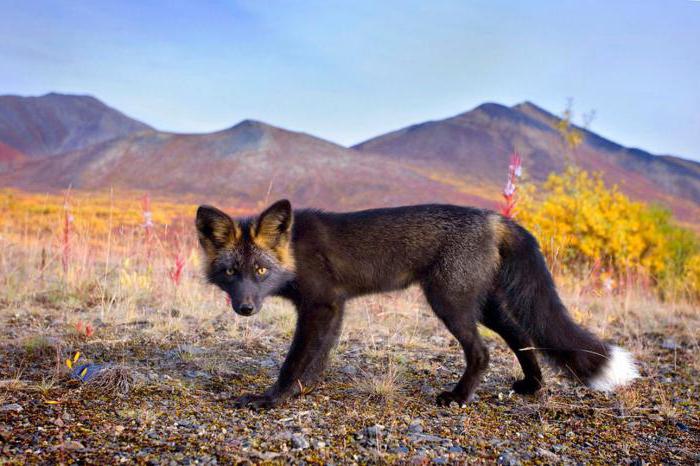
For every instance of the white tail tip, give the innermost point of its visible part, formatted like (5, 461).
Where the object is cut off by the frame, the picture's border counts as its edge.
(620, 369)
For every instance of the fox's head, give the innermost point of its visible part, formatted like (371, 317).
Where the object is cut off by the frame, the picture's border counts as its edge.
(247, 258)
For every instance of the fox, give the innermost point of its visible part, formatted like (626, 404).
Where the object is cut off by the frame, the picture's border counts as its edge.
(473, 265)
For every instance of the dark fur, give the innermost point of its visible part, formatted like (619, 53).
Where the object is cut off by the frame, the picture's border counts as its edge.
(473, 265)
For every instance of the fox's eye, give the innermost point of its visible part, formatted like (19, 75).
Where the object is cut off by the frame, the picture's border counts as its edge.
(230, 271)
(260, 270)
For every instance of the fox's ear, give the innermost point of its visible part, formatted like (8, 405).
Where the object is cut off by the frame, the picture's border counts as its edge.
(274, 224)
(216, 229)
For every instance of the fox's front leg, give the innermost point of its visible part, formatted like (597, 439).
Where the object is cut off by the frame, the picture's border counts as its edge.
(317, 331)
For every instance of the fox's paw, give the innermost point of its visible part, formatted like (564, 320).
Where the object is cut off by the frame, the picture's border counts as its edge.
(446, 398)
(526, 386)
(256, 402)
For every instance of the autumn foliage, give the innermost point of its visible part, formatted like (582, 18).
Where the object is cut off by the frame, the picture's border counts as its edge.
(586, 229)
(584, 225)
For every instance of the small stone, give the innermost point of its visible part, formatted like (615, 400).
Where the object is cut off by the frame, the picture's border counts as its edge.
(400, 450)
(438, 340)
(670, 344)
(299, 442)
(548, 455)
(192, 350)
(419, 438)
(16, 407)
(72, 445)
(374, 431)
(427, 390)
(318, 444)
(187, 424)
(285, 436)
(118, 429)
(98, 323)
(59, 422)
(268, 362)
(507, 459)
(682, 426)
(455, 449)
(416, 426)
(348, 370)
(197, 374)
(439, 460)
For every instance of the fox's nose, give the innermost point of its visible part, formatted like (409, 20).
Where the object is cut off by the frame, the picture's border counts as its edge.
(246, 309)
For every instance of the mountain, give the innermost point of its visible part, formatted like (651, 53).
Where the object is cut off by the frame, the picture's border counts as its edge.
(10, 157)
(239, 164)
(55, 141)
(56, 123)
(10, 154)
(474, 146)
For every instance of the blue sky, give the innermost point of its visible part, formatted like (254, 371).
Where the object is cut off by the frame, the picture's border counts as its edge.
(347, 71)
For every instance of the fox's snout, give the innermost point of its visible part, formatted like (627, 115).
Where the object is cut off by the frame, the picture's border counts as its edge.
(245, 302)
(246, 296)
(245, 309)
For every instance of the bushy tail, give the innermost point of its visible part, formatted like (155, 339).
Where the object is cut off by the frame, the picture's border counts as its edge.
(532, 298)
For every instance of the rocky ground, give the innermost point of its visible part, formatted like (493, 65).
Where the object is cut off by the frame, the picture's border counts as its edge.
(166, 395)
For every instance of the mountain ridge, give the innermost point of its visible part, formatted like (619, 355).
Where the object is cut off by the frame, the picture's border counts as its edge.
(465, 144)
(462, 158)
(247, 161)
(54, 123)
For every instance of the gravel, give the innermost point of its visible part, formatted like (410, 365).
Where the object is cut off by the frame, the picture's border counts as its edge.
(16, 407)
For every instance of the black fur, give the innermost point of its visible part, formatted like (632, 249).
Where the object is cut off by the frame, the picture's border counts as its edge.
(473, 265)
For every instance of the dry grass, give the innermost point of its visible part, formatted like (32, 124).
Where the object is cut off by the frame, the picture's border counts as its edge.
(112, 380)
(383, 383)
(176, 356)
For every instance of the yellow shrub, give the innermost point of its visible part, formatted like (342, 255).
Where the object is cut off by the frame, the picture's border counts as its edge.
(579, 220)
(692, 275)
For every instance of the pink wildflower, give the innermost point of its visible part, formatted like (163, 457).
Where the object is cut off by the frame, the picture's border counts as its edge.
(514, 171)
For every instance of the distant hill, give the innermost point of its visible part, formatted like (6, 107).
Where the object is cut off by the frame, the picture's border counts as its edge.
(240, 164)
(10, 157)
(56, 123)
(473, 145)
(53, 141)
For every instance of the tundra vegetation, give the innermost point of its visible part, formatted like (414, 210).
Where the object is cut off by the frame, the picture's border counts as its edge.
(116, 277)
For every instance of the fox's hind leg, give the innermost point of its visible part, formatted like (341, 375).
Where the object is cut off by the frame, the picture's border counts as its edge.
(458, 310)
(496, 318)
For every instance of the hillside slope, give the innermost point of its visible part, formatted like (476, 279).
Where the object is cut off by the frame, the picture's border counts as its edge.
(55, 141)
(243, 163)
(472, 145)
(56, 123)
